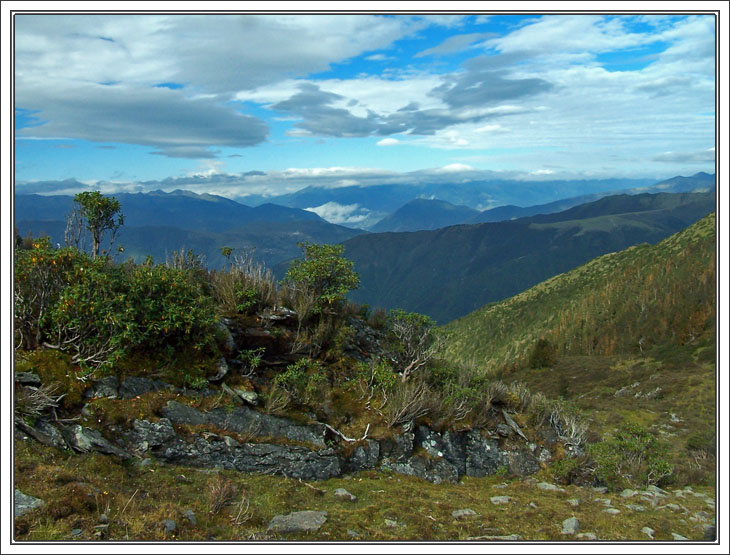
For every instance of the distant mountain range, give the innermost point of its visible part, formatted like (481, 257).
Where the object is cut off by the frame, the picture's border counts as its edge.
(159, 223)
(420, 214)
(449, 272)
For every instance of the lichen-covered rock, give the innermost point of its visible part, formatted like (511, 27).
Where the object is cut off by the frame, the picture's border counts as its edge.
(106, 387)
(25, 503)
(397, 448)
(436, 470)
(301, 521)
(522, 462)
(27, 378)
(483, 456)
(85, 439)
(364, 457)
(177, 413)
(150, 435)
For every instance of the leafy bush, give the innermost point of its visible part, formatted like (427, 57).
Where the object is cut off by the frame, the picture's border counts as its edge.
(412, 341)
(324, 275)
(632, 457)
(304, 380)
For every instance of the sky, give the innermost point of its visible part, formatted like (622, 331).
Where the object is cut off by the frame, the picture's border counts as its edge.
(266, 104)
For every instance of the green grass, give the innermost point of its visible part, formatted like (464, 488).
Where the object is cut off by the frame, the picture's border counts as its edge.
(78, 489)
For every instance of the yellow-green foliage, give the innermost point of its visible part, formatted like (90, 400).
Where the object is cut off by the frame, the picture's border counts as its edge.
(621, 302)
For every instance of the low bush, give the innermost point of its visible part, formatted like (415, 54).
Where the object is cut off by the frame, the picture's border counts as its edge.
(633, 456)
(303, 380)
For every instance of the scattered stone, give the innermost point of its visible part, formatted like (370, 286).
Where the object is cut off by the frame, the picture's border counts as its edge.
(392, 523)
(574, 502)
(648, 531)
(76, 532)
(463, 513)
(101, 530)
(353, 534)
(628, 493)
(549, 487)
(672, 506)
(626, 391)
(601, 489)
(300, 521)
(586, 536)
(603, 500)
(169, 526)
(103, 519)
(611, 511)
(656, 491)
(25, 503)
(85, 439)
(532, 505)
(135, 386)
(28, 378)
(189, 515)
(701, 516)
(510, 537)
(221, 371)
(504, 430)
(250, 397)
(679, 537)
(636, 508)
(500, 500)
(709, 533)
(570, 525)
(343, 495)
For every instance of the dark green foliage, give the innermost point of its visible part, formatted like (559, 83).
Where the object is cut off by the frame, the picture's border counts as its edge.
(633, 456)
(98, 214)
(304, 380)
(324, 274)
(544, 354)
(413, 341)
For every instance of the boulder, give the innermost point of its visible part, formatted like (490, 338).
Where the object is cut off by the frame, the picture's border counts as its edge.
(462, 514)
(522, 462)
(343, 495)
(106, 387)
(483, 456)
(27, 378)
(150, 435)
(135, 386)
(397, 448)
(427, 468)
(301, 521)
(363, 457)
(85, 439)
(570, 526)
(25, 503)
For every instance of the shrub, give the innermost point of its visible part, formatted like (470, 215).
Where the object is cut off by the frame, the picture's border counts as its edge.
(247, 287)
(304, 380)
(543, 355)
(324, 275)
(406, 401)
(412, 341)
(632, 456)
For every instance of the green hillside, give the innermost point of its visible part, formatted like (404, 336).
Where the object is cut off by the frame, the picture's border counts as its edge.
(624, 302)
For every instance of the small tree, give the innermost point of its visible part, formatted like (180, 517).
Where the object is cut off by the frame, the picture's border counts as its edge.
(324, 274)
(96, 213)
(414, 341)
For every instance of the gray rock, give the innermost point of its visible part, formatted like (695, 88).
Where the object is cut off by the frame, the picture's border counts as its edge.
(574, 502)
(504, 430)
(343, 495)
(177, 413)
(603, 500)
(85, 439)
(463, 513)
(670, 506)
(433, 470)
(586, 536)
(364, 457)
(570, 525)
(628, 493)
(648, 531)
(135, 386)
(549, 487)
(301, 521)
(709, 533)
(76, 532)
(101, 530)
(429, 440)
(250, 397)
(679, 537)
(189, 515)
(169, 526)
(106, 387)
(103, 519)
(43, 432)
(654, 490)
(512, 424)
(522, 462)
(509, 538)
(227, 342)
(25, 503)
(352, 533)
(483, 456)
(636, 508)
(221, 369)
(151, 435)
(500, 500)
(600, 489)
(612, 511)
(453, 446)
(397, 448)
(393, 523)
(27, 378)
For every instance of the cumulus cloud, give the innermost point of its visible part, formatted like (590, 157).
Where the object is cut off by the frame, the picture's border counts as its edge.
(387, 142)
(349, 214)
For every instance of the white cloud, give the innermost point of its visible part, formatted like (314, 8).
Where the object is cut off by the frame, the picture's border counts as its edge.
(387, 142)
(348, 214)
(452, 168)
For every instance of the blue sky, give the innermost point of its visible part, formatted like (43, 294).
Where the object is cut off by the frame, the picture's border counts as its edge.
(121, 101)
